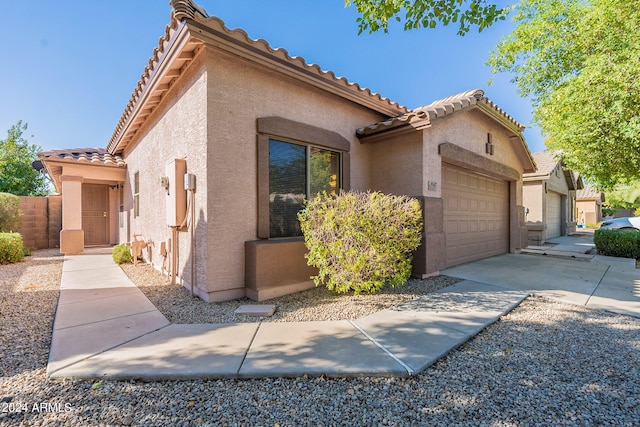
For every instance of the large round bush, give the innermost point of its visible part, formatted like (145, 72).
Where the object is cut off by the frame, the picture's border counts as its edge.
(361, 241)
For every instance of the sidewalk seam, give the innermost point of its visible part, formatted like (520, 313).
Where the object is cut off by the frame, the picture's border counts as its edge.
(246, 353)
(406, 367)
(597, 286)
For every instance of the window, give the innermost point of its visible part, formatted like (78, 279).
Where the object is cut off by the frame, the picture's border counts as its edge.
(297, 172)
(295, 162)
(136, 195)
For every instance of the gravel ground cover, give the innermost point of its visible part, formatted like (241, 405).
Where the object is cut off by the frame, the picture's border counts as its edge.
(176, 303)
(545, 363)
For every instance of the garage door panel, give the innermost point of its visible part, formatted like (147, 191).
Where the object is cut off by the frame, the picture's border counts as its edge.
(553, 214)
(476, 215)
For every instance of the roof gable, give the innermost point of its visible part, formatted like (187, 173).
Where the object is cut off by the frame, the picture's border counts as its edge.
(424, 117)
(190, 29)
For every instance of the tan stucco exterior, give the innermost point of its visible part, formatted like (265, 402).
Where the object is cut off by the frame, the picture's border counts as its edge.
(589, 206)
(550, 199)
(213, 98)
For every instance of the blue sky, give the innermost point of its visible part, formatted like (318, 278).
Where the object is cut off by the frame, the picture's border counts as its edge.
(69, 67)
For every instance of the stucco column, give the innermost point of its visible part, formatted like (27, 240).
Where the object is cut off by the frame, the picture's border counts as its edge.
(71, 235)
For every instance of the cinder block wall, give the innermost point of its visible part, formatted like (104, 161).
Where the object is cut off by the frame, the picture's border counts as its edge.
(41, 221)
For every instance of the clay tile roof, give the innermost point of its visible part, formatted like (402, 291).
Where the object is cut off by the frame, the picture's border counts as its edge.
(437, 110)
(185, 11)
(96, 156)
(451, 104)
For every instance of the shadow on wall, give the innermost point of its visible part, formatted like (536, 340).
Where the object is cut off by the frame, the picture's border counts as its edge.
(195, 265)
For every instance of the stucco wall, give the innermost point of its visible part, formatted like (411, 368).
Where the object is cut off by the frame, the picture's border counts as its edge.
(396, 165)
(176, 130)
(469, 131)
(532, 193)
(239, 93)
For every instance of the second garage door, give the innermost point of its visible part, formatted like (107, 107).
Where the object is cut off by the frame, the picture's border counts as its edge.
(553, 217)
(476, 215)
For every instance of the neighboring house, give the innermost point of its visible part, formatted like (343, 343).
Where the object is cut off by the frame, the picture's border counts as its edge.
(589, 202)
(257, 132)
(550, 199)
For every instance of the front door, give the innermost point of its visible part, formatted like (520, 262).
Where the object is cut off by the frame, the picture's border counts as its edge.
(95, 214)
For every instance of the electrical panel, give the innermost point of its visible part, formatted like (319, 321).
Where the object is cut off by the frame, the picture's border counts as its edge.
(176, 194)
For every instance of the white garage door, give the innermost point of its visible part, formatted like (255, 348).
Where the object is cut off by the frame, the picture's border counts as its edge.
(553, 215)
(476, 215)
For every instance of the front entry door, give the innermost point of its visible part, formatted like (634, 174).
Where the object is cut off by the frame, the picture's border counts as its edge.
(95, 214)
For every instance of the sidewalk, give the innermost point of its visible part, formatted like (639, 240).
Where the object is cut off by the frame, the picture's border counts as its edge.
(106, 327)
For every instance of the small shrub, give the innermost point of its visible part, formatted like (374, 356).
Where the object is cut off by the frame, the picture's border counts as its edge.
(361, 241)
(11, 248)
(121, 253)
(10, 214)
(618, 243)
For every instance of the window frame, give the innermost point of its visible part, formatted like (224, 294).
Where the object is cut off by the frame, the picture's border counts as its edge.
(136, 194)
(293, 132)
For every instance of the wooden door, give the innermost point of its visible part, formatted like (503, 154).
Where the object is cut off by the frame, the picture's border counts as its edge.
(95, 214)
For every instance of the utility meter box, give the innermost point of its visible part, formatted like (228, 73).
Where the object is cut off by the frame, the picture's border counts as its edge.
(176, 194)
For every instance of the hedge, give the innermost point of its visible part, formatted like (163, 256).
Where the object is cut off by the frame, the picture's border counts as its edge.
(618, 243)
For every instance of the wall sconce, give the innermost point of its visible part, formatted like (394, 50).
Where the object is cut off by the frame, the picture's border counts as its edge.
(164, 183)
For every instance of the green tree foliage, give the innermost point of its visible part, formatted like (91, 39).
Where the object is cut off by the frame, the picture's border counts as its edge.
(17, 175)
(624, 196)
(361, 241)
(10, 213)
(578, 61)
(376, 14)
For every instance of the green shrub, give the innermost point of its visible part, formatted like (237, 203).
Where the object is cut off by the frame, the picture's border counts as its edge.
(11, 248)
(361, 241)
(10, 214)
(121, 253)
(618, 243)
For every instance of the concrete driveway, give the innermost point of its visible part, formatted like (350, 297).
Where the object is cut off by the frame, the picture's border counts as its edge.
(566, 269)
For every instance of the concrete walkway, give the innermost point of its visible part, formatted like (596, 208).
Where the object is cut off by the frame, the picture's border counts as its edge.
(106, 327)
(566, 270)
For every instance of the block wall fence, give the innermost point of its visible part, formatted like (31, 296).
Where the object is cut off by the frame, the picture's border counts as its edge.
(41, 221)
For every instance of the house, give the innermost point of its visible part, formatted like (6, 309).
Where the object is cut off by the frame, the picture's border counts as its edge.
(589, 202)
(224, 137)
(550, 199)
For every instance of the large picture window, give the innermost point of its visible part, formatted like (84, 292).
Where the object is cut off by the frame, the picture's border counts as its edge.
(297, 172)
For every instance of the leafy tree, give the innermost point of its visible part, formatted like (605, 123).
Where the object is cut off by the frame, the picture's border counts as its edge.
(17, 175)
(578, 61)
(376, 14)
(624, 196)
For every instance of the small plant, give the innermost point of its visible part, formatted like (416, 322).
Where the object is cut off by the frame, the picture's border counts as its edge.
(11, 248)
(361, 241)
(618, 243)
(121, 253)
(10, 214)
